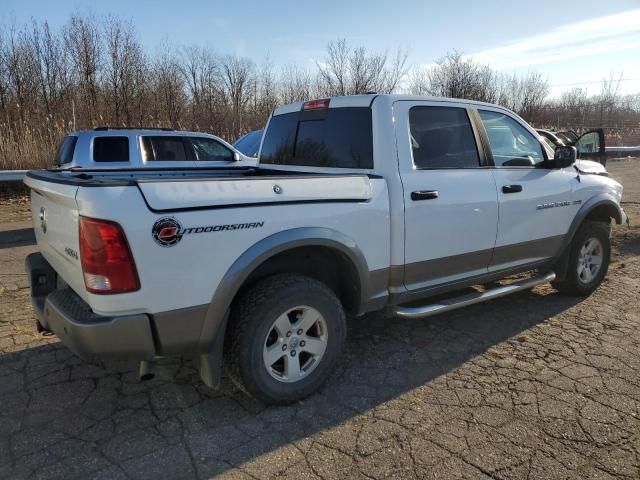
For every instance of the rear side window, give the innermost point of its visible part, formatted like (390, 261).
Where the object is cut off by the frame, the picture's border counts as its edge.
(441, 137)
(163, 149)
(209, 150)
(65, 150)
(334, 137)
(111, 149)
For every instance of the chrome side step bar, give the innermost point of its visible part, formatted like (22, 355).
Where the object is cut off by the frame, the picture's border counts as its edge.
(472, 298)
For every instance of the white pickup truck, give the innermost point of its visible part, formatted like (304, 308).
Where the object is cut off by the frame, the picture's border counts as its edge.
(358, 204)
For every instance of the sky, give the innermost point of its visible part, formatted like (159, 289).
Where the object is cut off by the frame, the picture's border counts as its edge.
(573, 44)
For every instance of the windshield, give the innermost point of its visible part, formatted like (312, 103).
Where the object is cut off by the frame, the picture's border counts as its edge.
(249, 144)
(65, 150)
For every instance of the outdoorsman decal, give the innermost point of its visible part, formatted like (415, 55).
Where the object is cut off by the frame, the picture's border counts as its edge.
(168, 231)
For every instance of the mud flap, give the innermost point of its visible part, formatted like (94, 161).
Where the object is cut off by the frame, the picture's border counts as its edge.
(211, 363)
(562, 264)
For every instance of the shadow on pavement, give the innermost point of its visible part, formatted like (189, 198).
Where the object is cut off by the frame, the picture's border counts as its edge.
(17, 238)
(61, 417)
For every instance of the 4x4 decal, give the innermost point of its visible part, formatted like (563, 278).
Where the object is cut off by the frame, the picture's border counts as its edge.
(168, 231)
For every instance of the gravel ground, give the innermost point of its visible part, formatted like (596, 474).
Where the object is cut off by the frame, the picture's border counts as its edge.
(535, 385)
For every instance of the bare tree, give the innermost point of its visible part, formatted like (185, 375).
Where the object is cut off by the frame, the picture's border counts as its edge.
(458, 77)
(169, 92)
(418, 82)
(334, 69)
(533, 91)
(295, 84)
(123, 68)
(93, 72)
(609, 95)
(237, 75)
(352, 71)
(83, 41)
(51, 65)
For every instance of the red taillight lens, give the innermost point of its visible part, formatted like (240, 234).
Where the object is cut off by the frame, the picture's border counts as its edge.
(316, 104)
(107, 263)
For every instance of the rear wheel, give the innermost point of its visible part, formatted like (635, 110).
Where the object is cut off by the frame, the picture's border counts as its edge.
(285, 336)
(589, 256)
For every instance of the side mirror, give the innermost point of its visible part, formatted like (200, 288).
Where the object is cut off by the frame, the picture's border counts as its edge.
(236, 157)
(564, 157)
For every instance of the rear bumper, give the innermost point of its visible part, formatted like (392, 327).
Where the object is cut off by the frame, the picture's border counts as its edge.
(87, 334)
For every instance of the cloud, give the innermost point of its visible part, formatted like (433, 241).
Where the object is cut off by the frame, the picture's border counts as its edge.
(607, 34)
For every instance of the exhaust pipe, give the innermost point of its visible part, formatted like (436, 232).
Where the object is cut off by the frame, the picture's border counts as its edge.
(145, 372)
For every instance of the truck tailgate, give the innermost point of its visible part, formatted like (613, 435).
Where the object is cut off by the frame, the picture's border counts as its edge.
(54, 212)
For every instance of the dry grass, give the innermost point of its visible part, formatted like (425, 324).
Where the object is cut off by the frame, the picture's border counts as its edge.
(25, 147)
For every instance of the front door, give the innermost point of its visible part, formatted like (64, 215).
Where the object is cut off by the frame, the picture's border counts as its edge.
(450, 199)
(590, 146)
(535, 202)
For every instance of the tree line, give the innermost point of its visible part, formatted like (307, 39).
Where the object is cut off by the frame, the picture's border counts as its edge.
(94, 71)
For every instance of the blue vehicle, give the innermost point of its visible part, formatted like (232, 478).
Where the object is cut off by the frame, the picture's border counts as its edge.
(249, 144)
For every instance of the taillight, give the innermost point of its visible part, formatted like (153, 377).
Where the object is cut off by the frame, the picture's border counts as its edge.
(107, 263)
(316, 104)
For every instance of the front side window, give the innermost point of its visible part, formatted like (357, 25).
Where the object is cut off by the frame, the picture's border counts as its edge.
(163, 149)
(441, 137)
(588, 143)
(209, 150)
(111, 149)
(512, 145)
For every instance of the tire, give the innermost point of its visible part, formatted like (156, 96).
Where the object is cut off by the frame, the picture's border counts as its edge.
(257, 325)
(577, 282)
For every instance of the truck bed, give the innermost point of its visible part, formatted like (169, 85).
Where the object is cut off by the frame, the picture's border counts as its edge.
(197, 199)
(176, 190)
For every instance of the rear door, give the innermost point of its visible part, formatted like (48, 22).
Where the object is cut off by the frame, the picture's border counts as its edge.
(451, 211)
(210, 152)
(535, 202)
(591, 146)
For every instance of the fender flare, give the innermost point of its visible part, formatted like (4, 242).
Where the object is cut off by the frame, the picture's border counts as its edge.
(590, 205)
(561, 258)
(215, 317)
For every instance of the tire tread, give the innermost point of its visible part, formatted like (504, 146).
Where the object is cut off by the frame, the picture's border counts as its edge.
(242, 317)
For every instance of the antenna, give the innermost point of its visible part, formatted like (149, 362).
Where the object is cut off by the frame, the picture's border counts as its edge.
(73, 113)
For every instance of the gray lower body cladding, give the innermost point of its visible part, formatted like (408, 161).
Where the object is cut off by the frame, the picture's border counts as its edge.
(176, 332)
(92, 336)
(431, 270)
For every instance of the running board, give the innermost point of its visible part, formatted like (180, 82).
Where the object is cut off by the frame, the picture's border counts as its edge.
(472, 298)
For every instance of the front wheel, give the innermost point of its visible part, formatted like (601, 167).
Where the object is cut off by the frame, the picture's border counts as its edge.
(589, 256)
(285, 336)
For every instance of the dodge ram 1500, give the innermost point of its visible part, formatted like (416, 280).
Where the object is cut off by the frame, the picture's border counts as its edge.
(357, 204)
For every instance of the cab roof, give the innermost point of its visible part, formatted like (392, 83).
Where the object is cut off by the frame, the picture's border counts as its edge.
(366, 100)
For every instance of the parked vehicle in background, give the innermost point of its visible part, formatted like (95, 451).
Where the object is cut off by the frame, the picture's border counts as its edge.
(249, 144)
(358, 204)
(590, 145)
(119, 148)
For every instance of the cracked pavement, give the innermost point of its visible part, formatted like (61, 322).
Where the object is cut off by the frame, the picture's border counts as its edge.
(531, 386)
